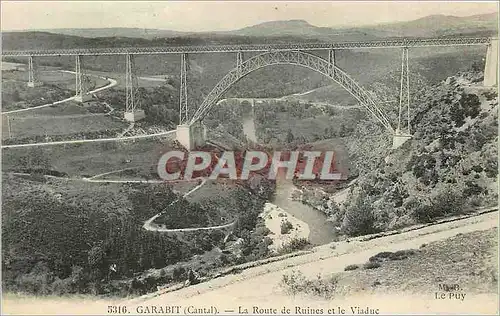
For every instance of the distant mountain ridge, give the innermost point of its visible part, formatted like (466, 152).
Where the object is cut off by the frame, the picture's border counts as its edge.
(266, 32)
(439, 25)
(287, 27)
(429, 26)
(116, 32)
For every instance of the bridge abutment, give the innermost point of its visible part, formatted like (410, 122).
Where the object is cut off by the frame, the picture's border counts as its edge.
(34, 84)
(33, 74)
(83, 98)
(134, 116)
(491, 66)
(191, 135)
(398, 139)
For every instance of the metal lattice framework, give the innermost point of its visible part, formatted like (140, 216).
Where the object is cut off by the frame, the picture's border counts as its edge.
(390, 43)
(131, 85)
(239, 60)
(331, 59)
(32, 71)
(297, 58)
(404, 91)
(81, 82)
(183, 95)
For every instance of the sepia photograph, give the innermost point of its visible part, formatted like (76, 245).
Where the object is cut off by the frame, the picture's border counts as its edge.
(249, 157)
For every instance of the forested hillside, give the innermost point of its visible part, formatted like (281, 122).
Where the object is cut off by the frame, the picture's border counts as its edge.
(64, 237)
(67, 238)
(449, 166)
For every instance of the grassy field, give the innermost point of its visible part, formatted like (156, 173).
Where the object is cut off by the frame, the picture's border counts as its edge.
(60, 125)
(62, 109)
(68, 190)
(303, 123)
(383, 67)
(213, 188)
(145, 81)
(61, 119)
(79, 191)
(17, 95)
(52, 76)
(89, 158)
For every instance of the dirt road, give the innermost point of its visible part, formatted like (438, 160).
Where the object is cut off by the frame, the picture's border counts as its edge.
(259, 286)
(95, 140)
(111, 84)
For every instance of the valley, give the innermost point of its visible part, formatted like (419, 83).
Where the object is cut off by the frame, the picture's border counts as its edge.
(86, 215)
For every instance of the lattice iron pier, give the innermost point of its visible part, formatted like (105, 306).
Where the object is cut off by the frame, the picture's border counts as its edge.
(33, 73)
(271, 54)
(133, 112)
(183, 96)
(82, 81)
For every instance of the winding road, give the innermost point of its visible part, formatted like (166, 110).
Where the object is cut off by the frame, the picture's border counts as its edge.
(260, 285)
(148, 225)
(96, 140)
(111, 84)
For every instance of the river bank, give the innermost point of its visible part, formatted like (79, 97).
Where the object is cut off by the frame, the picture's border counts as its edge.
(322, 231)
(274, 216)
(308, 222)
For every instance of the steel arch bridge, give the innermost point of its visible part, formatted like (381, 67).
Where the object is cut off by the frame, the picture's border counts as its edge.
(298, 58)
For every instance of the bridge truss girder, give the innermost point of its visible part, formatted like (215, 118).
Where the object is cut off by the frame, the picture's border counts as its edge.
(298, 58)
(390, 43)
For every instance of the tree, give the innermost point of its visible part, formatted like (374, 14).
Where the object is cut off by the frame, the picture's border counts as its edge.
(78, 279)
(359, 217)
(285, 227)
(15, 96)
(478, 65)
(96, 262)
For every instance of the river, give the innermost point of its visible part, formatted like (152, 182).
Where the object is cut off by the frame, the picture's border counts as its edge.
(321, 230)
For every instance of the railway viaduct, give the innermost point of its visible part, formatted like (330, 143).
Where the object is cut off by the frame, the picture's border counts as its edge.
(190, 131)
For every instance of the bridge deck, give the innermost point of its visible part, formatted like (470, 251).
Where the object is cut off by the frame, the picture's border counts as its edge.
(394, 43)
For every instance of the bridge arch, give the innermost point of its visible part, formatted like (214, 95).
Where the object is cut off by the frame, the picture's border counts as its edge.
(298, 58)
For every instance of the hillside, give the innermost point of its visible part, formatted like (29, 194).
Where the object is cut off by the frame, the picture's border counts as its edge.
(291, 27)
(260, 285)
(47, 40)
(429, 26)
(441, 25)
(467, 259)
(467, 248)
(62, 237)
(117, 32)
(303, 29)
(449, 166)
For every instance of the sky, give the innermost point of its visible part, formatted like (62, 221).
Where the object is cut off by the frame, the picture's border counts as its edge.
(203, 16)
